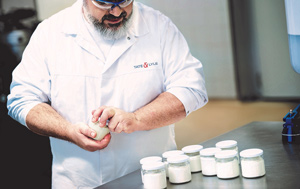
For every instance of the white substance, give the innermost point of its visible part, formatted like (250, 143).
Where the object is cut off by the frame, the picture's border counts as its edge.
(149, 159)
(226, 170)
(180, 174)
(168, 154)
(155, 180)
(195, 163)
(253, 168)
(252, 163)
(229, 145)
(101, 131)
(208, 166)
(154, 175)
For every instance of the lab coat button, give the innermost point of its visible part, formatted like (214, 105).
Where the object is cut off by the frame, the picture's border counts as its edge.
(128, 38)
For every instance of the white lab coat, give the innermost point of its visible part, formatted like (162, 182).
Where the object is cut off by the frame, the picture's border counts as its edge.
(63, 66)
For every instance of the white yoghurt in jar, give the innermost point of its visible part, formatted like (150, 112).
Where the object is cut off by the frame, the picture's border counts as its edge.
(208, 162)
(229, 145)
(179, 169)
(193, 151)
(227, 165)
(168, 154)
(154, 175)
(148, 160)
(101, 131)
(252, 163)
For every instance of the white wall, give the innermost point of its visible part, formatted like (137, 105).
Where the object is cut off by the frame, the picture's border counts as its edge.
(279, 80)
(8, 5)
(46, 8)
(206, 26)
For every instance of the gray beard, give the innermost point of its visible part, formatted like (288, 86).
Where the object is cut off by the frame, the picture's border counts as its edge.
(111, 32)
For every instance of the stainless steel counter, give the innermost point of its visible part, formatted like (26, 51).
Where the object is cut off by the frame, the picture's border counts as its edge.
(282, 162)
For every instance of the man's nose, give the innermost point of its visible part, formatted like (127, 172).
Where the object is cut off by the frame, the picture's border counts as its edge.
(116, 11)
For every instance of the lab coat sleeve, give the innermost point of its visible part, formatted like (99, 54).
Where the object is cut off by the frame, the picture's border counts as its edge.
(31, 79)
(183, 73)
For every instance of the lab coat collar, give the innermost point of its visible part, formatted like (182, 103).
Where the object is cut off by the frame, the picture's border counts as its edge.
(75, 27)
(139, 27)
(73, 17)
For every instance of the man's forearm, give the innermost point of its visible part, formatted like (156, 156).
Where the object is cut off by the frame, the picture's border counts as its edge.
(44, 120)
(166, 109)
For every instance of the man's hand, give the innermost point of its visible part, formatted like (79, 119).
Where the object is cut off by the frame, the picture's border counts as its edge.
(44, 120)
(82, 135)
(164, 110)
(119, 120)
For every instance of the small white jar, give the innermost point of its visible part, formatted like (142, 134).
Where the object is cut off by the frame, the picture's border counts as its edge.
(208, 161)
(179, 169)
(193, 151)
(101, 131)
(148, 160)
(228, 145)
(154, 175)
(227, 164)
(252, 163)
(168, 154)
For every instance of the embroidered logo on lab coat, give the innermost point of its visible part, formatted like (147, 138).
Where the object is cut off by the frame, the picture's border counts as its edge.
(145, 65)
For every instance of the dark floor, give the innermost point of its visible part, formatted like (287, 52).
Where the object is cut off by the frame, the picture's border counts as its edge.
(25, 158)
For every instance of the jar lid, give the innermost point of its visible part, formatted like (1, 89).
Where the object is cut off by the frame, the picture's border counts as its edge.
(254, 152)
(192, 148)
(178, 159)
(209, 151)
(150, 159)
(153, 166)
(226, 144)
(172, 153)
(226, 154)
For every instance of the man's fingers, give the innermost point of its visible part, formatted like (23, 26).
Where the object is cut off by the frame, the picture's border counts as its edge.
(118, 128)
(105, 141)
(87, 131)
(89, 143)
(113, 124)
(97, 113)
(106, 115)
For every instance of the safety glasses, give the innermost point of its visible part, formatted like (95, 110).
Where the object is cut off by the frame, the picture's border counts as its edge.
(106, 5)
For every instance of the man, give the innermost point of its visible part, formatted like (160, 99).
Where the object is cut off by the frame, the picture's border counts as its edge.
(117, 61)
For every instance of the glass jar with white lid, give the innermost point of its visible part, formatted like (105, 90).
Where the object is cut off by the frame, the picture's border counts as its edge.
(179, 169)
(101, 131)
(208, 161)
(147, 160)
(252, 163)
(154, 175)
(168, 154)
(193, 151)
(227, 165)
(228, 145)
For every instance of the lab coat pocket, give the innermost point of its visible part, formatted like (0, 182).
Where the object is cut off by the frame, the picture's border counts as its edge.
(74, 96)
(133, 89)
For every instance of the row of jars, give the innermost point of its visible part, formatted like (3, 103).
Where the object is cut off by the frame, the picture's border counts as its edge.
(222, 161)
